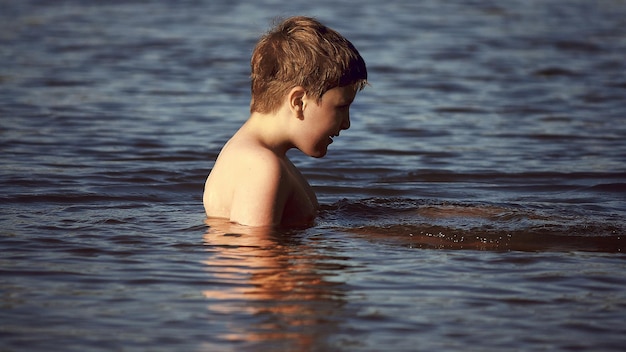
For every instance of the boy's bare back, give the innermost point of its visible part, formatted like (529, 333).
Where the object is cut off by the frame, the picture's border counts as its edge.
(300, 99)
(252, 185)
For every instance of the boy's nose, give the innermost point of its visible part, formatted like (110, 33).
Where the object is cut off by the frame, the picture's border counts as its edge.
(346, 123)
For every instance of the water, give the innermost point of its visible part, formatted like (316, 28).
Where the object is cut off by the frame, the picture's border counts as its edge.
(476, 203)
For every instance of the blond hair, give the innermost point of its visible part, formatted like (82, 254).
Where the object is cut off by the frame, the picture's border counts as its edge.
(300, 51)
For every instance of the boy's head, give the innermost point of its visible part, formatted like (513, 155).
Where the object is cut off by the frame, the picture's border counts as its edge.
(301, 51)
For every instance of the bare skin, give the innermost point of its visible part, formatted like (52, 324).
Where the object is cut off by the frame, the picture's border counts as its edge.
(254, 183)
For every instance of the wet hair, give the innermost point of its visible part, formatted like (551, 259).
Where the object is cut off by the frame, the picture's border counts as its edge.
(301, 51)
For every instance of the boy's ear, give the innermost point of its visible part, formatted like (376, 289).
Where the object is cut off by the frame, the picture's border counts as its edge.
(296, 100)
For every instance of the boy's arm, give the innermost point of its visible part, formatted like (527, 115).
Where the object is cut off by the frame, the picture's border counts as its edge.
(261, 193)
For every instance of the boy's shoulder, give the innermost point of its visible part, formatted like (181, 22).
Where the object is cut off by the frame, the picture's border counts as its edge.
(248, 184)
(243, 152)
(245, 160)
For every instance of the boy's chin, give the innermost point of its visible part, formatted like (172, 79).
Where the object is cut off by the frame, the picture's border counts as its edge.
(318, 153)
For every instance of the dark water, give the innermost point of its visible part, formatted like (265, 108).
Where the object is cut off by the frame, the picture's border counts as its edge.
(477, 202)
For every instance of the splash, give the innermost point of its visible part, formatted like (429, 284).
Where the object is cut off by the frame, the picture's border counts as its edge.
(478, 226)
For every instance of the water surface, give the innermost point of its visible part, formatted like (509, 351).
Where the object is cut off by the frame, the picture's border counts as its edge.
(476, 203)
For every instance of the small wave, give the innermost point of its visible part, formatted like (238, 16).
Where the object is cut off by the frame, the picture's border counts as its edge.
(557, 238)
(77, 198)
(579, 46)
(609, 187)
(479, 226)
(554, 71)
(460, 110)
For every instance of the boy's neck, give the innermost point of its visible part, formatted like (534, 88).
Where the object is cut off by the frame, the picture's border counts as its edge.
(270, 130)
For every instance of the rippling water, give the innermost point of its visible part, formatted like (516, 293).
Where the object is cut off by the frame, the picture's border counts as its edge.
(476, 203)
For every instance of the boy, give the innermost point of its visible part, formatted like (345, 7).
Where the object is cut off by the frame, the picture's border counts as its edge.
(304, 78)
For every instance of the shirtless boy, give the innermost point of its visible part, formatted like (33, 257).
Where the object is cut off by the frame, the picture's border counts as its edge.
(304, 78)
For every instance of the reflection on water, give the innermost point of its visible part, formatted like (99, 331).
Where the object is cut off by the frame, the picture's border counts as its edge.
(273, 283)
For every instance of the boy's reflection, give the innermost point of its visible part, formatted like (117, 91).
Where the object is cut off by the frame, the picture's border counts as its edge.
(268, 288)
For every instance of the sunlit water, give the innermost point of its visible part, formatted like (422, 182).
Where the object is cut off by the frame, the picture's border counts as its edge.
(476, 203)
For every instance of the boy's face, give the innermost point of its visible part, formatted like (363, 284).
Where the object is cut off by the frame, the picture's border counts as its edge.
(325, 120)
